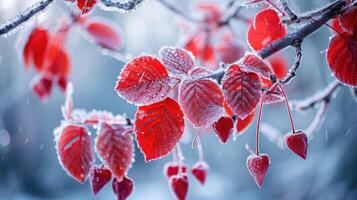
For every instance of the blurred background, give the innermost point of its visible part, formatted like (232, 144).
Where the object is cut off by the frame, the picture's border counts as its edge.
(29, 168)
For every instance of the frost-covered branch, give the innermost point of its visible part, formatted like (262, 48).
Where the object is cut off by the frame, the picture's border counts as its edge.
(125, 6)
(296, 64)
(334, 9)
(324, 95)
(318, 119)
(180, 12)
(24, 16)
(288, 11)
(232, 12)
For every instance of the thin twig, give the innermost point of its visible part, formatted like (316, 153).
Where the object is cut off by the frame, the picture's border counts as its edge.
(180, 12)
(323, 96)
(288, 11)
(318, 119)
(24, 16)
(296, 64)
(126, 6)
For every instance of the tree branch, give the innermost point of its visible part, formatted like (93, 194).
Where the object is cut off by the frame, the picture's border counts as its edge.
(24, 16)
(296, 64)
(126, 6)
(334, 9)
(180, 12)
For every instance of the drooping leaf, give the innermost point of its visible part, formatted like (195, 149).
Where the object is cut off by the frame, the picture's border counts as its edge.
(199, 171)
(342, 58)
(104, 33)
(223, 128)
(114, 146)
(173, 168)
(201, 101)
(145, 80)
(257, 166)
(75, 153)
(179, 186)
(177, 60)
(85, 5)
(253, 63)
(99, 177)
(266, 28)
(241, 90)
(159, 128)
(35, 48)
(42, 86)
(275, 95)
(123, 188)
(243, 124)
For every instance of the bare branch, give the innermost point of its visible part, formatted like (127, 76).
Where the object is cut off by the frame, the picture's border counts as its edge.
(24, 16)
(126, 6)
(318, 119)
(232, 12)
(323, 96)
(288, 11)
(296, 64)
(180, 12)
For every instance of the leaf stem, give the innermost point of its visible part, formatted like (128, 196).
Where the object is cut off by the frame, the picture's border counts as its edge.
(288, 108)
(258, 123)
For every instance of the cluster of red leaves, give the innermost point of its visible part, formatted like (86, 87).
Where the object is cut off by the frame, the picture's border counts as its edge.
(113, 145)
(45, 50)
(210, 42)
(342, 50)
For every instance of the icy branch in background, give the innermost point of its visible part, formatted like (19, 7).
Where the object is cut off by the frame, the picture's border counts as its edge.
(232, 12)
(287, 10)
(324, 95)
(273, 134)
(124, 6)
(180, 12)
(319, 118)
(24, 16)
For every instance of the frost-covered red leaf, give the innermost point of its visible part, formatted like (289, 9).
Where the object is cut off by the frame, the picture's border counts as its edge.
(122, 189)
(199, 171)
(266, 28)
(159, 128)
(35, 48)
(103, 33)
(342, 58)
(252, 63)
(75, 153)
(223, 128)
(275, 95)
(297, 142)
(173, 168)
(179, 186)
(200, 72)
(99, 177)
(201, 101)
(243, 124)
(241, 90)
(114, 146)
(177, 60)
(144, 80)
(84, 5)
(258, 167)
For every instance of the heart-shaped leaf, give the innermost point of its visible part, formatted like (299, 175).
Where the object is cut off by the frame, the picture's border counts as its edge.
(223, 128)
(297, 143)
(257, 166)
(123, 188)
(99, 177)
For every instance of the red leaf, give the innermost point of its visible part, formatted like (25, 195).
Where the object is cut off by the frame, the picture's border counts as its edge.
(115, 147)
(279, 65)
(201, 101)
(342, 58)
(349, 21)
(144, 80)
(258, 167)
(99, 177)
(122, 189)
(35, 48)
(336, 24)
(223, 128)
(104, 33)
(228, 109)
(159, 128)
(42, 86)
(172, 169)
(85, 5)
(211, 12)
(243, 124)
(199, 171)
(241, 90)
(57, 61)
(253, 63)
(177, 60)
(266, 28)
(229, 50)
(275, 95)
(200, 72)
(297, 143)
(75, 153)
(200, 46)
(179, 186)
